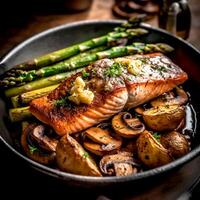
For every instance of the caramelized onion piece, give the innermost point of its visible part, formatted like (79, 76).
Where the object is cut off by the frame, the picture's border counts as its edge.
(126, 126)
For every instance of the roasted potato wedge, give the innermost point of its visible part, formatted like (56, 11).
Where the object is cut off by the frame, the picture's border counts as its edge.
(175, 143)
(164, 118)
(150, 152)
(71, 157)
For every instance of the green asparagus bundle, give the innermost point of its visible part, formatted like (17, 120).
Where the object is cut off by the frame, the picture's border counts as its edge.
(67, 65)
(47, 81)
(40, 83)
(27, 76)
(67, 52)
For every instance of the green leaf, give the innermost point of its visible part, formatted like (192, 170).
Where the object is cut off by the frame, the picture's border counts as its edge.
(32, 149)
(156, 136)
(85, 74)
(85, 155)
(114, 70)
(61, 102)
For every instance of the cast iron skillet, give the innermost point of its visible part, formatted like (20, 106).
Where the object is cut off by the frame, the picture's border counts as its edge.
(185, 56)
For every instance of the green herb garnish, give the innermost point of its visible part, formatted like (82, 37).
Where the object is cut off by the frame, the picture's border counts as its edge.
(156, 136)
(114, 70)
(85, 155)
(85, 74)
(32, 149)
(61, 102)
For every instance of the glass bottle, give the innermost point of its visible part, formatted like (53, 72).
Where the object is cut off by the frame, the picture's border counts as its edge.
(183, 20)
(175, 16)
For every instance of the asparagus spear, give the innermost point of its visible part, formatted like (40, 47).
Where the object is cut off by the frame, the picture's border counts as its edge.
(19, 114)
(110, 53)
(26, 97)
(83, 46)
(40, 83)
(19, 72)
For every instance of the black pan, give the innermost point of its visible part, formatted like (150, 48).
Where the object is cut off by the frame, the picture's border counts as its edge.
(185, 56)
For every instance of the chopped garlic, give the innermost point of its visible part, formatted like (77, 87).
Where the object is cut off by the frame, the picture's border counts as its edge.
(86, 96)
(135, 67)
(79, 94)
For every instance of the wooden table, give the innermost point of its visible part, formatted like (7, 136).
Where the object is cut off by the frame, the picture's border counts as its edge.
(18, 177)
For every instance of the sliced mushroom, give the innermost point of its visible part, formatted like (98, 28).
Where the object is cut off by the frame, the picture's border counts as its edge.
(164, 118)
(150, 152)
(139, 110)
(120, 164)
(127, 126)
(33, 151)
(72, 158)
(175, 143)
(171, 99)
(45, 142)
(101, 141)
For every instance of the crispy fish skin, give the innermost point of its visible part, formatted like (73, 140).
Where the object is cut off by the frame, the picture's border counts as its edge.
(155, 75)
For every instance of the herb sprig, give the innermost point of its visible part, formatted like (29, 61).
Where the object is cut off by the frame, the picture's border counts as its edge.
(61, 102)
(114, 70)
(156, 136)
(32, 149)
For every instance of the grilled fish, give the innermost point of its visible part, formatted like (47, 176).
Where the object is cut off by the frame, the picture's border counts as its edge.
(117, 84)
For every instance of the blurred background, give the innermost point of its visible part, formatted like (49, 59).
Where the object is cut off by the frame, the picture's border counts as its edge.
(22, 19)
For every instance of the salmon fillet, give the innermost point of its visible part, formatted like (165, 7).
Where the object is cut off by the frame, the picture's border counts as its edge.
(118, 84)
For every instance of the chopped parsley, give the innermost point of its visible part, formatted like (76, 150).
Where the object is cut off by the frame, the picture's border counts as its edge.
(85, 155)
(85, 74)
(32, 149)
(61, 102)
(157, 136)
(114, 70)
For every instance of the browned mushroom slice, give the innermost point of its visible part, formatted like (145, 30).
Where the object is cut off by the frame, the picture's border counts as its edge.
(71, 157)
(126, 126)
(164, 118)
(175, 143)
(45, 142)
(171, 99)
(150, 152)
(101, 141)
(139, 110)
(120, 164)
(33, 151)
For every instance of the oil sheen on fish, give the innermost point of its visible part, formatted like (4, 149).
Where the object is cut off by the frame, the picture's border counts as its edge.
(116, 84)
